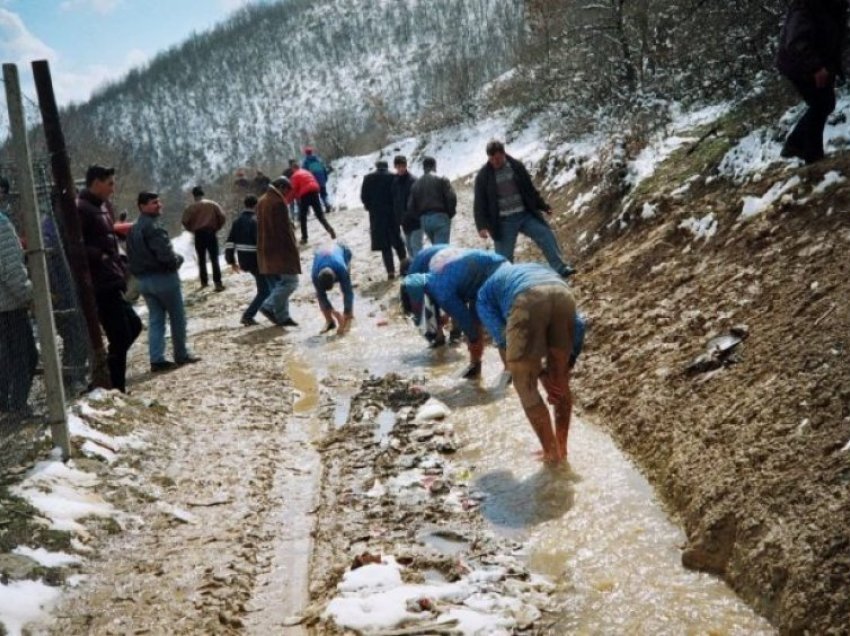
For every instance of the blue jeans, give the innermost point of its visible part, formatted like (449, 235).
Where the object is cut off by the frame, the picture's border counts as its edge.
(437, 226)
(263, 290)
(413, 240)
(162, 294)
(537, 230)
(281, 287)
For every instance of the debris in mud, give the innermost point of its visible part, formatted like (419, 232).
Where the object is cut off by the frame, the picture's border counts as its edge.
(720, 351)
(427, 562)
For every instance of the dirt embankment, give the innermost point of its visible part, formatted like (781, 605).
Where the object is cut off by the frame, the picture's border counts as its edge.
(748, 449)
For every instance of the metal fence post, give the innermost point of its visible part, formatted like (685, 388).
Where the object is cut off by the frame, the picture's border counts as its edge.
(37, 264)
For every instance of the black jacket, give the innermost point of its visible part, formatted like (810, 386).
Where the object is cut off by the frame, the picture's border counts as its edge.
(149, 249)
(486, 204)
(812, 38)
(242, 239)
(431, 194)
(108, 271)
(376, 194)
(401, 194)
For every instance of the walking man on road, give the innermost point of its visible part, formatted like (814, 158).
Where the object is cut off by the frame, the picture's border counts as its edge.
(277, 252)
(120, 322)
(154, 264)
(531, 315)
(433, 203)
(331, 265)
(376, 194)
(507, 204)
(240, 252)
(303, 187)
(320, 170)
(204, 218)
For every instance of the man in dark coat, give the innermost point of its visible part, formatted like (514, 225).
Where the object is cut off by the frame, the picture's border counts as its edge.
(411, 227)
(376, 194)
(120, 323)
(507, 204)
(433, 203)
(809, 55)
(240, 252)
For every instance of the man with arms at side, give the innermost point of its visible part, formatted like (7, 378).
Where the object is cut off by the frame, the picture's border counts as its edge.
(154, 264)
(204, 218)
(331, 265)
(376, 194)
(507, 204)
(531, 314)
(240, 252)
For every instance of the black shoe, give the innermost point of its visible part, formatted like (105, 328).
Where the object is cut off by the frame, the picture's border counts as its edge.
(436, 343)
(455, 335)
(165, 365)
(269, 316)
(219, 287)
(248, 322)
(190, 359)
(289, 322)
(329, 327)
(473, 371)
(303, 241)
(567, 272)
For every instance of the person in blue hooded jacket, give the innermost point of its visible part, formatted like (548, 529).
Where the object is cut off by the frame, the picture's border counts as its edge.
(531, 314)
(455, 275)
(420, 263)
(331, 265)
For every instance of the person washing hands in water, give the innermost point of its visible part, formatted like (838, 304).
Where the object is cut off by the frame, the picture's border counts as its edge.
(331, 265)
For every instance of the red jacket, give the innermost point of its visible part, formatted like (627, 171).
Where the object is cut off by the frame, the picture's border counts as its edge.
(303, 183)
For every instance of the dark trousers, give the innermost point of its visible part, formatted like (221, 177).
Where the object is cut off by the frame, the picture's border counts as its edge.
(207, 243)
(306, 202)
(19, 359)
(263, 291)
(323, 194)
(395, 243)
(806, 139)
(75, 352)
(122, 326)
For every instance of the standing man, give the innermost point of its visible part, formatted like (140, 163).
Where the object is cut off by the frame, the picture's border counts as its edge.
(376, 194)
(240, 252)
(154, 264)
(810, 49)
(402, 183)
(315, 165)
(452, 283)
(507, 204)
(204, 218)
(277, 253)
(531, 314)
(331, 265)
(433, 203)
(303, 187)
(109, 274)
(17, 343)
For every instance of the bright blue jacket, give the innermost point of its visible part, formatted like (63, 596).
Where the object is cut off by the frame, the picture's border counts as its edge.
(337, 256)
(422, 261)
(498, 294)
(316, 166)
(456, 275)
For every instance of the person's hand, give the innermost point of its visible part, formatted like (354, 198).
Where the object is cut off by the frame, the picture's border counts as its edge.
(484, 234)
(822, 78)
(345, 324)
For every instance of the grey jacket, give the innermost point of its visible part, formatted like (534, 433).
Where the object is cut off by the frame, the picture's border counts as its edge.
(430, 194)
(15, 286)
(149, 249)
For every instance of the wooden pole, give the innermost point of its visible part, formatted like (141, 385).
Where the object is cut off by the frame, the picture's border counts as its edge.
(69, 229)
(37, 261)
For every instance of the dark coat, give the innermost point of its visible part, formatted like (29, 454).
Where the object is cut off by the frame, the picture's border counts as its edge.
(108, 271)
(431, 194)
(486, 204)
(242, 242)
(812, 38)
(401, 195)
(277, 251)
(376, 194)
(149, 249)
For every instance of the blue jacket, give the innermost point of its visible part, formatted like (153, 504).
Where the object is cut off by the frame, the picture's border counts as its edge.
(456, 275)
(498, 294)
(315, 165)
(337, 257)
(422, 261)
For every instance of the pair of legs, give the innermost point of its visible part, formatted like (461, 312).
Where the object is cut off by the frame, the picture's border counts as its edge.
(75, 352)
(263, 291)
(806, 139)
(538, 231)
(207, 243)
(19, 356)
(323, 194)
(393, 242)
(122, 326)
(163, 295)
(313, 201)
(437, 226)
(281, 287)
(413, 241)
(542, 323)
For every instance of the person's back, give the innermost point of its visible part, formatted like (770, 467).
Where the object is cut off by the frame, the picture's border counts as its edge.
(377, 192)
(317, 167)
(462, 271)
(277, 251)
(420, 264)
(241, 245)
(432, 194)
(203, 214)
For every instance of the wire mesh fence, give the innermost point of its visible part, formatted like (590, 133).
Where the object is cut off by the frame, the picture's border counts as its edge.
(23, 394)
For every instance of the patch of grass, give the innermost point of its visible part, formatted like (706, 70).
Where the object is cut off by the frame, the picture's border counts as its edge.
(20, 524)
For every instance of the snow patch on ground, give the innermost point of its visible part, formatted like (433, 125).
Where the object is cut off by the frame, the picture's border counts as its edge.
(23, 602)
(703, 228)
(45, 558)
(757, 205)
(831, 178)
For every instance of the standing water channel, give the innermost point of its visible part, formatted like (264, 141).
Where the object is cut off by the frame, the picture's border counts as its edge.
(594, 524)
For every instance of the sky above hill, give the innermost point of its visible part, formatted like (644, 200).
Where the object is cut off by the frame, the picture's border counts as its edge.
(89, 42)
